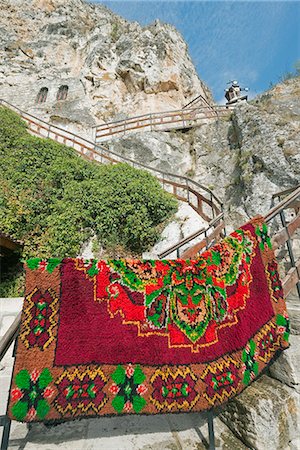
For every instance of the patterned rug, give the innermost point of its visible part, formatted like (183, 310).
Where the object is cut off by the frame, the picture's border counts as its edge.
(147, 337)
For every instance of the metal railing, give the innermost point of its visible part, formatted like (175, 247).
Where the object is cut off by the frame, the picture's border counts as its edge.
(199, 99)
(282, 232)
(286, 229)
(208, 235)
(199, 197)
(187, 117)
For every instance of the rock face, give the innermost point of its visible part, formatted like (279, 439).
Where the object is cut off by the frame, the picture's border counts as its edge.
(265, 415)
(244, 158)
(112, 68)
(287, 366)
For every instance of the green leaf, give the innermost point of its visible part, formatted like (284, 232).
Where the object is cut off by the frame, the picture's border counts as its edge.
(118, 403)
(286, 336)
(93, 270)
(247, 378)
(23, 379)
(138, 376)
(216, 257)
(244, 356)
(280, 320)
(255, 367)
(138, 403)
(252, 347)
(52, 264)
(33, 263)
(153, 295)
(42, 409)
(45, 378)
(119, 375)
(19, 410)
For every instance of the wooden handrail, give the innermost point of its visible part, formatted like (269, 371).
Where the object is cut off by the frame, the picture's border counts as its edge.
(291, 279)
(187, 117)
(167, 113)
(282, 236)
(191, 237)
(279, 239)
(283, 204)
(205, 243)
(9, 336)
(188, 189)
(284, 192)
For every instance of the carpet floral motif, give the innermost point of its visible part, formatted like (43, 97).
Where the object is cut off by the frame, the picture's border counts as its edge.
(250, 364)
(222, 380)
(128, 336)
(268, 342)
(128, 389)
(40, 319)
(174, 389)
(80, 391)
(187, 302)
(31, 394)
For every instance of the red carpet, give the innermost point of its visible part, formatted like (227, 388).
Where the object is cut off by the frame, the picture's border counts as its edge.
(128, 336)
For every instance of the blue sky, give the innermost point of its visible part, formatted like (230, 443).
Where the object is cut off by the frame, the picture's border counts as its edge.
(254, 42)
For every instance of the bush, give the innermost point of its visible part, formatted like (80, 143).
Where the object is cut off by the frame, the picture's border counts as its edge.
(54, 200)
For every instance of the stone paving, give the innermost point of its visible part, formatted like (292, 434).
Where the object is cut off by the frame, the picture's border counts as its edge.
(161, 432)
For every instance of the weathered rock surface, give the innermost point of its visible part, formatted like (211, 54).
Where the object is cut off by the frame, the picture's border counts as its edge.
(266, 415)
(112, 67)
(185, 223)
(294, 312)
(244, 159)
(287, 367)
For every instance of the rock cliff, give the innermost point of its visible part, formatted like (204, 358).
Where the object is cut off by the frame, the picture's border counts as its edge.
(244, 158)
(113, 68)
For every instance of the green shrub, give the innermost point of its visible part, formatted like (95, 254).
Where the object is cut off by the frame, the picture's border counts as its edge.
(54, 200)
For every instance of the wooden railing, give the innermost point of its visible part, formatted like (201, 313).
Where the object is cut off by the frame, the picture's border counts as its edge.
(286, 228)
(199, 100)
(207, 235)
(186, 117)
(200, 198)
(282, 232)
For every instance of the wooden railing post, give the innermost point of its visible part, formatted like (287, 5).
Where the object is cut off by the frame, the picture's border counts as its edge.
(290, 248)
(212, 205)
(188, 190)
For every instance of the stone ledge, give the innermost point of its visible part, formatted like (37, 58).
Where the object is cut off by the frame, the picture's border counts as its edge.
(266, 415)
(287, 367)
